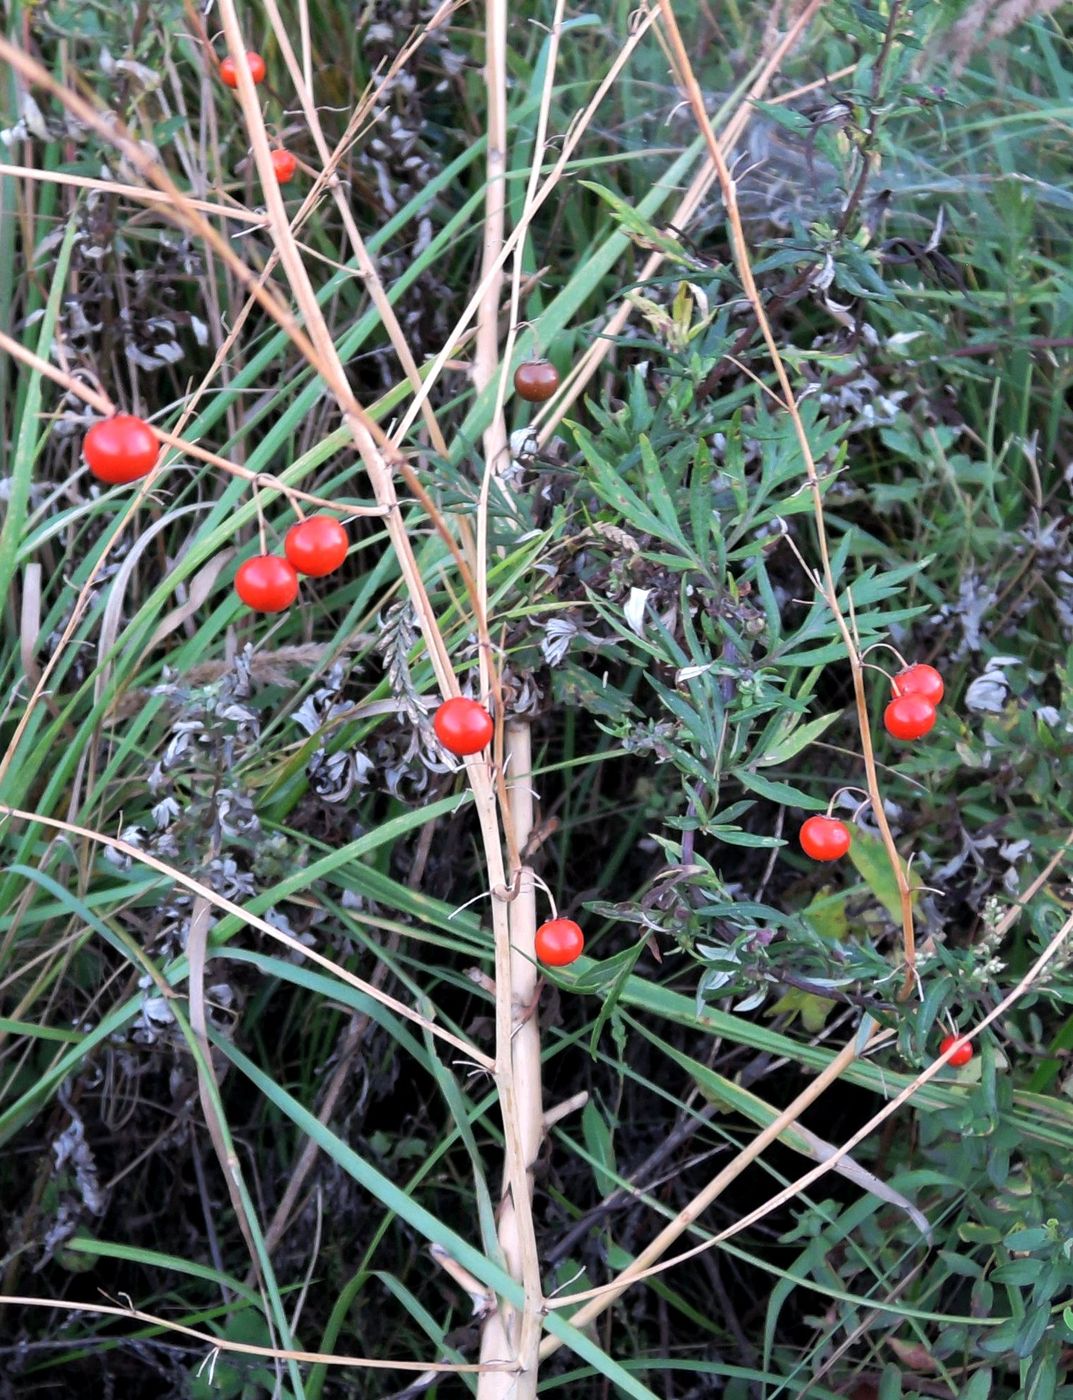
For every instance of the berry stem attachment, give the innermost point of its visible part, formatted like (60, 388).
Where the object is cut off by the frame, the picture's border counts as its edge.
(539, 882)
(887, 647)
(850, 787)
(870, 666)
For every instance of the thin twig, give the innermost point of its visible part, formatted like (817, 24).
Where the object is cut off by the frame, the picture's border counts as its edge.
(596, 1300)
(604, 340)
(577, 129)
(218, 1343)
(867, 146)
(366, 266)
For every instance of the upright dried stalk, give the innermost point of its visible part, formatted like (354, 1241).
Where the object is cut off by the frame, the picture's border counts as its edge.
(521, 1335)
(372, 446)
(506, 1334)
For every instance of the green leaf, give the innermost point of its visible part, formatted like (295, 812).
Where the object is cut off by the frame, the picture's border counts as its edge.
(784, 793)
(18, 487)
(1042, 1380)
(1035, 1237)
(1032, 1330)
(794, 737)
(659, 496)
(890, 1383)
(829, 915)
(615, 489)
(869, 855)
(638, 228)
(784, 116)
(960, 1264)
(598, 1140)
(979, 1387)
(1019, 1272)
(812, 1009)
(624, 964)
(734, 836)
(973, 1233)
(154, 1259)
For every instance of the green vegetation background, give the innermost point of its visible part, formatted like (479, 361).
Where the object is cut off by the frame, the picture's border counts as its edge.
(910, 222)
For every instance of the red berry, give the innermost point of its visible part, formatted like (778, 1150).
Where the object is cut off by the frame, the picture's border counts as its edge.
(316, 546)
(120, 449)
(559, 942)
(463, 726)
(267, 583)
(961, 1056)
(909, 716)
(920, 679)
(284, 164)
(824, 838)
(536, 380)
(229, 70)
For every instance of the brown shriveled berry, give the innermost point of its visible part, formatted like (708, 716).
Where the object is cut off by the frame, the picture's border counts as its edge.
(536, 380)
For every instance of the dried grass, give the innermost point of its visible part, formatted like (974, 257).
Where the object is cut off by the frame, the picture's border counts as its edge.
(982, 24)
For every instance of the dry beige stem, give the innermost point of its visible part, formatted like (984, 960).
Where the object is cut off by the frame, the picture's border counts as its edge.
(322, 352)
(367, 267)
(137, 193)
(370, 444)
(497, 456)
(504, 1328)
(215, 1343)
(317, 345)
(506, 1334)
(577, 130)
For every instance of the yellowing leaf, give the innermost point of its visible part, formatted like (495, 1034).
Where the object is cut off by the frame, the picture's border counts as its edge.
(812, 1009)
(869, 855)
(827, 915)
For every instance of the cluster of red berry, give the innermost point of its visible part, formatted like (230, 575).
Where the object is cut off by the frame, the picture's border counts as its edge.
(910, 715)
(269, 582)
(123, 449)
(912, 712)
(284, 162)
